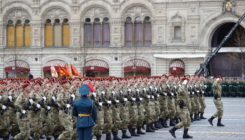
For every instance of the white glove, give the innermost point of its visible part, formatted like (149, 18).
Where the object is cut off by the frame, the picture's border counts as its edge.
(137, 90)
(188, 92)
(108, 102)
(31, 101)
(100, 104)
(0, 97)
(48, 107)
(113, 92)
(129, 90)
(133, 99)
(68, 105)
(44, 98)
(53, 98)
(4, 107)
(144, 89)
(23, 112)
(94, 94)
(10, 98)
(149, 96)
(103, 92)
(150, 87)
(125, 99)
(174, 86)
(38, 106)
(73, 97)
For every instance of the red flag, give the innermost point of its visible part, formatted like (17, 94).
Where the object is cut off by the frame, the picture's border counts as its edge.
(67, 71)
(53, 70)
(74, 71)
(91, 87)
(62, 70)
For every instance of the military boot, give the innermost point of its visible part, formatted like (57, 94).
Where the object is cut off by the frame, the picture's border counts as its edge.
(124, 134)
(196, 117)
(186, 136)
(6, 138)
(48, 138)
(148, 128)
(219, 123)
(210, 120)
(133, 133)
(172, 123)
(98, 137)
(164, 123)
(177, 120)
(153, 127)
(156, 125)
(201, 116)
(159, 122)
(56, 137)
(115, 136)
(139, 130)
(108, 136)
(172, 131)
(130, 129)
(143, 126)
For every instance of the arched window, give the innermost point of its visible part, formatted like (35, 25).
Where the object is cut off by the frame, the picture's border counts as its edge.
(57, 34)
(97, 32)
(138, 33)
(19, 33)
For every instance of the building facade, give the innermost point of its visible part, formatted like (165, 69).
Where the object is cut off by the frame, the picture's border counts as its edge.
(111, 37)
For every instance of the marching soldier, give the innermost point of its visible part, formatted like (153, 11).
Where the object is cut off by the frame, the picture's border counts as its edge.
(217, 101)
(183, 107)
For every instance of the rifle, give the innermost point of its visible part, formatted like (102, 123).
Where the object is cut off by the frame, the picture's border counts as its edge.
(69, 101)
(41, 104)
(26, 107)
(109, 101)
(100, 102)
(118, 100)
(133, 99)
(50, 103)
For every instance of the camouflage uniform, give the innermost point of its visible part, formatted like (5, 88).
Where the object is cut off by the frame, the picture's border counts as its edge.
(24, 122)
(163, 101)
(171, 103)
(4, 116)
(107, 112)
(65, 119)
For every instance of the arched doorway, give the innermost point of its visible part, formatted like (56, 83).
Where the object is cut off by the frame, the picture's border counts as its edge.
(222, 64)
(177, 67)
(97, 68)
(17, 69)
(137, 67)
(47, 70)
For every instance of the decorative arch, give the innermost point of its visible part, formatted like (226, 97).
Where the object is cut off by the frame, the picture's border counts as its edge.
(141, 58)
(93, 7)
(138, 64)
(53, 8)
(97, 65)
(125, 9)
(21, 66)
(177, 66)
(209, 28)
(15, 18)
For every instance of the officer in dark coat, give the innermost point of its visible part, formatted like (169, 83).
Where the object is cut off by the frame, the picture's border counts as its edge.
(85, 111)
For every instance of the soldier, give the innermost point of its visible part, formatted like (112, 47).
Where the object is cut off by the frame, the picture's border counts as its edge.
(65, 111)
(196, 97)
(124, 111)
(22, 103)
(183, 107)
(163, 102)
(202, 98)
(133, 110)
(36, 121)
(4, 115)
(141, 110)
(171, 102)
(217, 101)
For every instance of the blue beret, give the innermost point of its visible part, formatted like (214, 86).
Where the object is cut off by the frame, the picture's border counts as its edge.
(84, 89)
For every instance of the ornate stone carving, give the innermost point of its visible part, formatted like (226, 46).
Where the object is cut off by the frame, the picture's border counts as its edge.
(95, 11)
(16, 14)
(35, 3)
(55, 12)
(208, 12)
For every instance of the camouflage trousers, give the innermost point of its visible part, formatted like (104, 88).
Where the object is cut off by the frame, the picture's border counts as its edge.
(202, 103)
(67, 123)
(116, 118)
(24, 126)
(219, 105)
(133, 113)
(163, 107)
(196, 100)
(58, 128)
(98, 128)
(124, 114)
(4, 123)
(176, 108)
(157, 110)
(193, 105)
(36, 124)
(107, 120)
(14, 129)
(48, 129)
(171, 107)
(185, 118)
(149, 112)
(141, 115)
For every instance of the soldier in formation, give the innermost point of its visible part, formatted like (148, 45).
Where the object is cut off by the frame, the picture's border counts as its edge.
(43, 107)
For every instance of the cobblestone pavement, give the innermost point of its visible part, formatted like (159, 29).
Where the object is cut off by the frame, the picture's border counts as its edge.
(234, 120)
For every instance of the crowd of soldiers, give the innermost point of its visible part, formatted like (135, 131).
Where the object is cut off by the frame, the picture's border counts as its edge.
(231, 87)
(38, 107)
